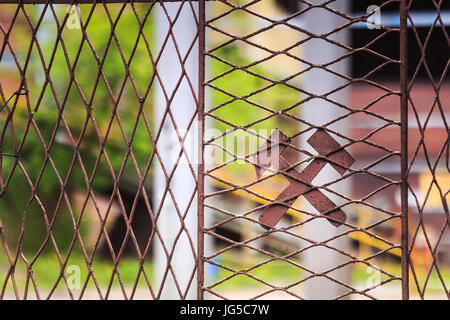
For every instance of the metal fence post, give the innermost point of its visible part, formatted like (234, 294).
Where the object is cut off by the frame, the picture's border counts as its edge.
(201, 165)
(404, 146)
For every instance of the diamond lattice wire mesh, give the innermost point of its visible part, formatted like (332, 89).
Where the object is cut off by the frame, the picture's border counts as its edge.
(86, 207)
(93, 173)
(298, 78)
(428, 170)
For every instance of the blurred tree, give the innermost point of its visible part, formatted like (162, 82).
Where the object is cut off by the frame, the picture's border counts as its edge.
(114, 94)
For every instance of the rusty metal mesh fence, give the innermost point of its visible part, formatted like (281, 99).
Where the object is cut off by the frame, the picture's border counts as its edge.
(299, 82)
(83, 148)
(304, 180)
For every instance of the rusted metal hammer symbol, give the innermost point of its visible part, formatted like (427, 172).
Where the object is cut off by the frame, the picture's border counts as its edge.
(300, 182)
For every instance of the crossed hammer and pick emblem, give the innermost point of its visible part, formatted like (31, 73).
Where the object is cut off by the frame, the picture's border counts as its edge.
(300, 182)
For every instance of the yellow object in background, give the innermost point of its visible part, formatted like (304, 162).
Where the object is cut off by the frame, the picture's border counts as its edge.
(434, 199)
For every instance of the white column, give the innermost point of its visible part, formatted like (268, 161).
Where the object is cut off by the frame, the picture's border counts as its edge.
(182, 184)
(318, 112)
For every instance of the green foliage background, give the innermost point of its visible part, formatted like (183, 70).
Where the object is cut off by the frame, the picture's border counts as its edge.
(75, 111)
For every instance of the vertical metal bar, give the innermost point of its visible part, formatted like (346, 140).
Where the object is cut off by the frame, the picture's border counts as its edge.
(404, 146)
(201, 166)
